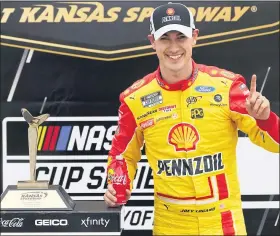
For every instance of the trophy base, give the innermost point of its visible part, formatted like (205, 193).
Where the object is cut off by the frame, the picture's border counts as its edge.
(91, 218)
(54, 198)
(32, 184)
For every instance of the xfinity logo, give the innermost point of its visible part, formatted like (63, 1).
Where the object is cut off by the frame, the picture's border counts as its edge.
(92, 222)
(51, 222)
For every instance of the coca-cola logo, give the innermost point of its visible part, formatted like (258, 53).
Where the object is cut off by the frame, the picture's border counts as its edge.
(114, 178)
(120, 179)
(13, 223)
(33, 196)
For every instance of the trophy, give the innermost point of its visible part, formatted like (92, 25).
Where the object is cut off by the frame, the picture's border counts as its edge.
(34, 123)
(33, 194)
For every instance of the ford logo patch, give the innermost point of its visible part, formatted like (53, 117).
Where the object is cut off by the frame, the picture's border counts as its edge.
(204, 89)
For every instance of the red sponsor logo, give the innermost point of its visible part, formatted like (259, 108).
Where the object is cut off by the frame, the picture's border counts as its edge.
(167, 108)
(147, 123)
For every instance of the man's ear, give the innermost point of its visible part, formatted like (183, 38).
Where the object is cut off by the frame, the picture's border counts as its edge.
(152, 40)
(195, 36)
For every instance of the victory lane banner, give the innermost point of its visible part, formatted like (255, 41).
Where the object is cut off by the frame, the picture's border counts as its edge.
(118, 30)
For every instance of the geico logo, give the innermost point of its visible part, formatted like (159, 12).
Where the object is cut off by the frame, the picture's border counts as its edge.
(51, 222)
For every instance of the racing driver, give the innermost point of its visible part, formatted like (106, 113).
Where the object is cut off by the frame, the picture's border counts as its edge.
(188, 116)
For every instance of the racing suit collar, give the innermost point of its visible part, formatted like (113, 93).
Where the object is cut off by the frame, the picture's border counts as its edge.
(181, 85)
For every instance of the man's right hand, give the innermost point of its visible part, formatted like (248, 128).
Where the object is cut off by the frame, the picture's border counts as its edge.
(110, 198)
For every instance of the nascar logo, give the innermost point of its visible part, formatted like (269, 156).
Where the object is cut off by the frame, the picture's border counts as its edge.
(64, 138)
(88, 135)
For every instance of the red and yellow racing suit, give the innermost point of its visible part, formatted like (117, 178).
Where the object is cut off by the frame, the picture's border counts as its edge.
(190, 131)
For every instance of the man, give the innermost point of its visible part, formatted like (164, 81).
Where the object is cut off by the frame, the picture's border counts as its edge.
(189, 115)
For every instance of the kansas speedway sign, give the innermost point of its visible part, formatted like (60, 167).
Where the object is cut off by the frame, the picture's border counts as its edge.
(71, 152)
(115, 30)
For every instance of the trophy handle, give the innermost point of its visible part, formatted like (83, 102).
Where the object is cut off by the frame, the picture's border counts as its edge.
(32, 144)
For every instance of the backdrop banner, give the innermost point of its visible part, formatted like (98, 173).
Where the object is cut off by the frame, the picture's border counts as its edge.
(117, 30)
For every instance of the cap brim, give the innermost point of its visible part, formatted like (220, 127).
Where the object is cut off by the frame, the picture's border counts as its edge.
(173, 27)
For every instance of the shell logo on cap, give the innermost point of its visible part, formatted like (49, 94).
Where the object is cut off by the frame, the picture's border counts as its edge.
(184, 137)
(170, 11)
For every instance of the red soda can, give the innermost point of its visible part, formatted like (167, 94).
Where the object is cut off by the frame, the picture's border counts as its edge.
(118, 178)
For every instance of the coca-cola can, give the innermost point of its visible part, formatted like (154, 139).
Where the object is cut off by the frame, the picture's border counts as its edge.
(120, 193)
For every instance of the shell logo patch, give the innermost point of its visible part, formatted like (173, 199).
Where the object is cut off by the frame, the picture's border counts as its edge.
(184, 137)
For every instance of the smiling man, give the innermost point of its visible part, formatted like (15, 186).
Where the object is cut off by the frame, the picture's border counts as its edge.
(188, 115)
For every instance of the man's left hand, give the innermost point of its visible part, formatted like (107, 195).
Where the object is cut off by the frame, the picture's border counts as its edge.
(257, 105)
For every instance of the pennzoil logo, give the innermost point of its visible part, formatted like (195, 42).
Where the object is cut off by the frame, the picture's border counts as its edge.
(191, 166)
(184, 137)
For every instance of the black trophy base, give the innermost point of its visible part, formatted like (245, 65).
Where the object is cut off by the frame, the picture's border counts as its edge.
(87, 218)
